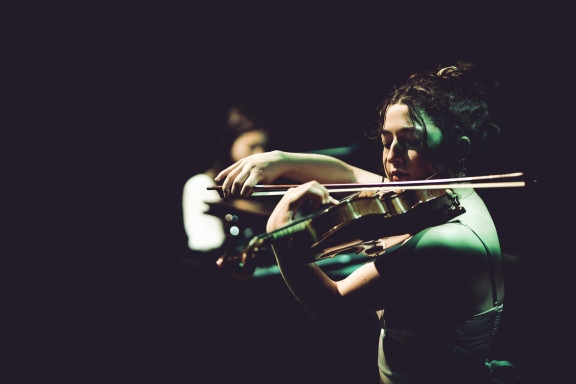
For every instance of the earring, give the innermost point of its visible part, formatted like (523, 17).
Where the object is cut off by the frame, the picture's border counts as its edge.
(460, 168)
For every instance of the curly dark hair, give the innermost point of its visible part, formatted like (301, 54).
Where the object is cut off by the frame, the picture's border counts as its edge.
(458, 99)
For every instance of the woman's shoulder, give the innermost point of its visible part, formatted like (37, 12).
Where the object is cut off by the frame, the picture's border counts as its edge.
(199, 181)
(451, 231)
(447, 238)
(196, 189)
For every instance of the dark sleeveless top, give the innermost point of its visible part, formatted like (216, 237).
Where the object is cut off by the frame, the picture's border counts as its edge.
(454, 354)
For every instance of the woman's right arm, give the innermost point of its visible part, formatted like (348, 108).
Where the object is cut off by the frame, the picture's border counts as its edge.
(264, 168)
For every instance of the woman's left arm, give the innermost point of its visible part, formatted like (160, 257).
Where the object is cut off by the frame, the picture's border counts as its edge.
(427, 267)
(325, 299)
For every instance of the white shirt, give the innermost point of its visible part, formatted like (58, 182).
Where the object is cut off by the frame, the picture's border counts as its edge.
(205, 232)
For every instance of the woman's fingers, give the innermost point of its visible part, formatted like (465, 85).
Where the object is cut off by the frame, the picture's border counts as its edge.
(253, 178)
(333, 201)
(312, 191)
(233, 174)
(321, 191)
(239, 180)
(226, 171)
(292, 201)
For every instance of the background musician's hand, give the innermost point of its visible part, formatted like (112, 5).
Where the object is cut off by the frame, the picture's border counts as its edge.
(242, 176)
(291, 202)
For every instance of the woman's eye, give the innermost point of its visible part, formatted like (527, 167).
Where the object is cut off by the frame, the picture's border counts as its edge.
(403, 143)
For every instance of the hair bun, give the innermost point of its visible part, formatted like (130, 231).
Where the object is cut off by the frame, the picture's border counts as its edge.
(459, 69)
(449, 71)
(480, 77)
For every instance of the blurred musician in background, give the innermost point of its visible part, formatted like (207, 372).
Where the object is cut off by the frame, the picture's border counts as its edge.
(207, 219)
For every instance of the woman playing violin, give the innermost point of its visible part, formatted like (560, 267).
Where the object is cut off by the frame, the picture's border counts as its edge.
(438, 296)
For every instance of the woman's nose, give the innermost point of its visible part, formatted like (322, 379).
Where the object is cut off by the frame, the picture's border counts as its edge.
(395, 152)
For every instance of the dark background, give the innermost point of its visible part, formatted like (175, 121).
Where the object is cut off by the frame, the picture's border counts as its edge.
(127, 102)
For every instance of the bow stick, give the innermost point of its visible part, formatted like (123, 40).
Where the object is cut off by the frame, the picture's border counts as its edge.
(508, 180)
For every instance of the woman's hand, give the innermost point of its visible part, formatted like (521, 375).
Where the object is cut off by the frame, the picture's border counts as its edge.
(264, 168)
(293, 199)
(242, 176)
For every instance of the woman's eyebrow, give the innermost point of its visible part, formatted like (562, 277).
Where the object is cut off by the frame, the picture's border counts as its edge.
(403, 129)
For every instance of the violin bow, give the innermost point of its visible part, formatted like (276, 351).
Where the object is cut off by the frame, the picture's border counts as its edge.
(508, 180)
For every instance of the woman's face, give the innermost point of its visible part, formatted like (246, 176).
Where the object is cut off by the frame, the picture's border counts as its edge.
(406, 156)
(248, 144)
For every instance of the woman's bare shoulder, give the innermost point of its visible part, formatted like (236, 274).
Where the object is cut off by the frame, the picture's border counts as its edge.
(447, 237)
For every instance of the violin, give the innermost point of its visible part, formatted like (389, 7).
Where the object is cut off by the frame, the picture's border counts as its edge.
(358, 224)
(364, 223)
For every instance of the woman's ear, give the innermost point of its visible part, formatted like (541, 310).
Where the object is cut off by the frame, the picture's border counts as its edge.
(462, 151)
(463, 147)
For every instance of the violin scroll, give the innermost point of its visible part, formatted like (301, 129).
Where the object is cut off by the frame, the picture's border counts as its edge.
(250, 252)
(234, 266)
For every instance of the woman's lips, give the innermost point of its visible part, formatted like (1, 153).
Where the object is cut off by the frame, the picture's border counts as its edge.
(400, 176)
